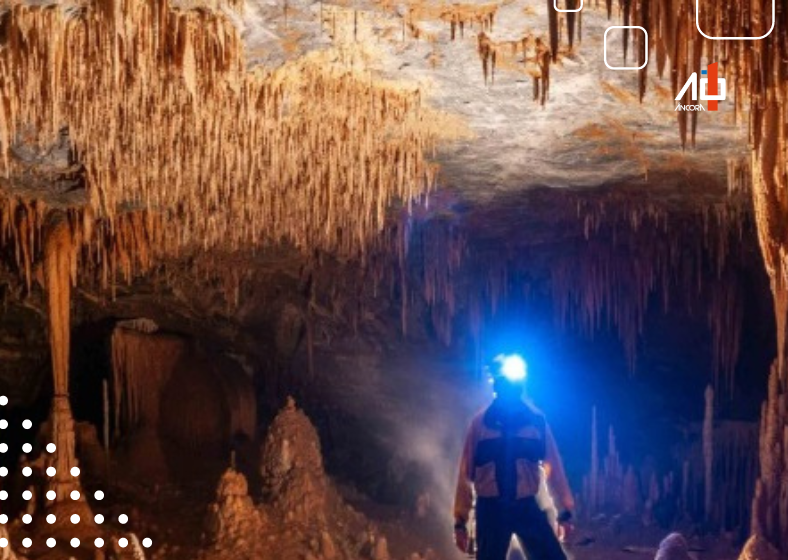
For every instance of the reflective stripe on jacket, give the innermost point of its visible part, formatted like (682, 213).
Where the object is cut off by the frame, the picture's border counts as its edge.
(496, 464)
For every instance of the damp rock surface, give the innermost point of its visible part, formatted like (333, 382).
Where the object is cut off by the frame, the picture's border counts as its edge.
(301, 514)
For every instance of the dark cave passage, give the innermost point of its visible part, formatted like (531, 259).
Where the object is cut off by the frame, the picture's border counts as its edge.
(189, 396)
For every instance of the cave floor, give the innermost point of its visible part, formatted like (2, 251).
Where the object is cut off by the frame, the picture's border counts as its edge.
(176, 519)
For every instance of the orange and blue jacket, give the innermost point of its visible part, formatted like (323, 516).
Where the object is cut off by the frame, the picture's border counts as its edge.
(504, 449)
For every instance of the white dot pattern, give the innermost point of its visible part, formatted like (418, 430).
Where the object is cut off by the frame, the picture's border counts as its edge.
(51, 496)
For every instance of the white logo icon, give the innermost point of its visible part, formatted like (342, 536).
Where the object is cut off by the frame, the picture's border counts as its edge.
(704, 82)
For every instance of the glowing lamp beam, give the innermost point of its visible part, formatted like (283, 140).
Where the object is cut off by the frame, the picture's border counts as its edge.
(513, 367)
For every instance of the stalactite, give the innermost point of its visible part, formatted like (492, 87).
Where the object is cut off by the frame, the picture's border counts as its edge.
(535, 54)
(552, 23)
(167, 85)
(594, 480)
(142, 364)
(571, 21)
(457, 16)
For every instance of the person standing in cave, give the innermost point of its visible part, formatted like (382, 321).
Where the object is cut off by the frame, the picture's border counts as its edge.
(506, 447)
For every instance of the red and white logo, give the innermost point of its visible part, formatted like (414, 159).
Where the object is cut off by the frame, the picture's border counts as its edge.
(712, 89)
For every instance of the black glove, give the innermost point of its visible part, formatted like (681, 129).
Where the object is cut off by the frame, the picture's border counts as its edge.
(565, 517)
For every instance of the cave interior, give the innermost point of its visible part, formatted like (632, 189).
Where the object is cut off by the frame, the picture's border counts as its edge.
(255, 256)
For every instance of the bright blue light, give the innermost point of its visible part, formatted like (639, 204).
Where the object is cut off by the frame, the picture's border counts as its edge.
(513, 367)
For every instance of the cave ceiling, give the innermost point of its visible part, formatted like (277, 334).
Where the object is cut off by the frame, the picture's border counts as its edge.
(592, 130)
(194, 134)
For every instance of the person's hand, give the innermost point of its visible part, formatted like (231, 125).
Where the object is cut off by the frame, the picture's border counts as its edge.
(565, 526)
(461, 539)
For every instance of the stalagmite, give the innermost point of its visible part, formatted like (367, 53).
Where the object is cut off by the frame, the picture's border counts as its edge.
(708, 455)
(233, 520)
(594, 474)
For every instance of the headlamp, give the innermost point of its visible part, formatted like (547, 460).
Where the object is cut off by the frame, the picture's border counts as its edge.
(512, 367)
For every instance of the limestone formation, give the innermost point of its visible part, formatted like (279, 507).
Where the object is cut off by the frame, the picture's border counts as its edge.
(673, 547)
(233, 521)
(292, 467)
(757, 548)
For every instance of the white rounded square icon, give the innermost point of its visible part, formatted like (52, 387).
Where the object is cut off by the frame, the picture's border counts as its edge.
(626, 67)
(697, 24)
(557, 9)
